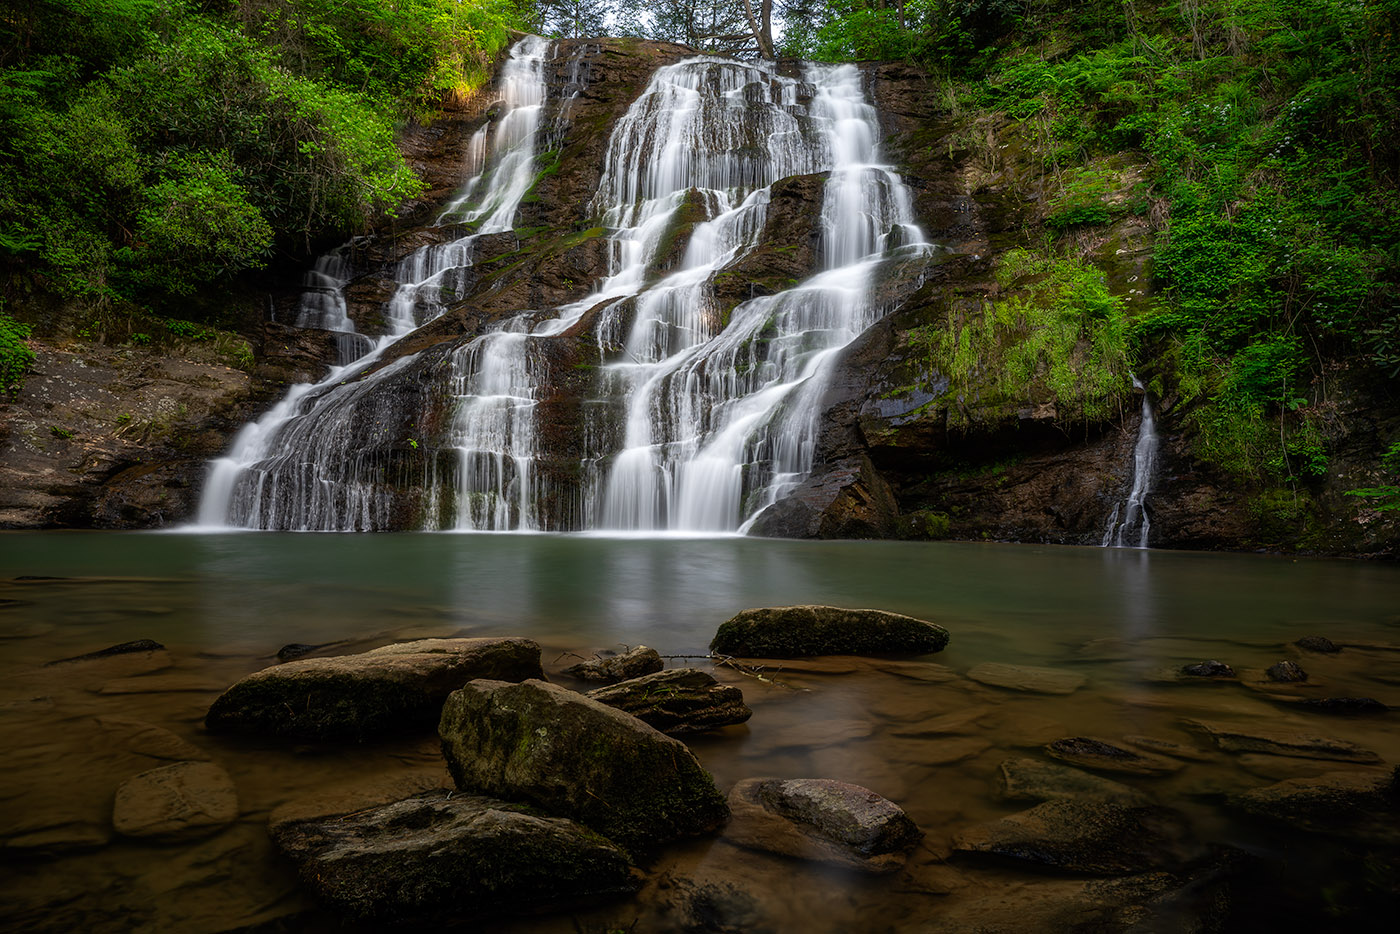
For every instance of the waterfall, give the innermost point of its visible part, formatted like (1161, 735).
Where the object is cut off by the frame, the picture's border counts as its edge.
(1136, 523)
(301, 465)
(700, 416)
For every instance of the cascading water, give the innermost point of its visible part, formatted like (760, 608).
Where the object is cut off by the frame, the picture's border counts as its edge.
(700, 416)
(1133, 530)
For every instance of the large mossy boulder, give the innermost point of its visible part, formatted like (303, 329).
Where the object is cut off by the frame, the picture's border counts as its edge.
(799, 631)
(577, 758)
(449, 857)
(677, 701)
(387, 689)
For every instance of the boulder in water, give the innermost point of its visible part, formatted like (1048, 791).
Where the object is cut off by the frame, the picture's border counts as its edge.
(441, 856)
(1287, 672)
(135, 647)
(799, 631)
(1233, 737)
(1098, 838)
(359, 696)
(175, 802)
(1320, 644)
(1097, 754)
(677, 701)
(633, 663)
(1208, 669)
(822, 820)
(1357, 805)
(575, 757)
(1036, 780)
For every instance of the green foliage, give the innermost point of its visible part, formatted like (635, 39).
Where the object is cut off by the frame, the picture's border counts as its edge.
(15, 356)
(1058, 336)
(1386, 497)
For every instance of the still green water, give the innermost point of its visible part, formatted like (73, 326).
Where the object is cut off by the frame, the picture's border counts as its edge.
(224, 604)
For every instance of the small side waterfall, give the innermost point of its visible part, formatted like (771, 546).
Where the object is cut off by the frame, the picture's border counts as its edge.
(1136, 524)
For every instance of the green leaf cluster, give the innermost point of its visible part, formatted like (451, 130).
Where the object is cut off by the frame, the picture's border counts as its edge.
(15, 356)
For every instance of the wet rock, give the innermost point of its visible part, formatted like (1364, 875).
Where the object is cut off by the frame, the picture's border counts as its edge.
(294, 650)
(822, 820)
(1083, 836)
(1343, 705)
(1242, 738)
(1035, 780)
(678, 701)
(577, 758)
(147, 739)
(439, 857)
(1098, 754)
(1027, 678)
(355, 697)
(1166, 747)
(631, 664)
(1355, 805)
(125, 648)
(1286, 671)
(175, 802)
(1318, 644)
(711, 907)
(1210, 669)
(797, 631)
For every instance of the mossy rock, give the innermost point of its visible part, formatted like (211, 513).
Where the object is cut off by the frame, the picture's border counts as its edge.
(356, 697)
(574, 757)
(443, 857)
(799, 631)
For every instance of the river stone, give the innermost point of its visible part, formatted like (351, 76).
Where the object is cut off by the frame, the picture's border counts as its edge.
(1098, 754)
(1027, 678)
(136, 647)
(798, 631)
(677, 701)
(147, 739)
(1354, 805)
(175, 802)
(1286, 671)
(1318, 644)
(1083, 836)
(1233, 737)
(440, 857)
(1035, 780)
(1342, 705)
(357, 696)
(575, 757)
(1167, 747)
(631, 664)
(822, 820)
(1209, 669)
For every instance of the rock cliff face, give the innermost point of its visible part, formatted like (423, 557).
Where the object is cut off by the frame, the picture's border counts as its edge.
(898, 452)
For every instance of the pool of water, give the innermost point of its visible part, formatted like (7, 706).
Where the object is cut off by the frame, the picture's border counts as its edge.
(224, 604)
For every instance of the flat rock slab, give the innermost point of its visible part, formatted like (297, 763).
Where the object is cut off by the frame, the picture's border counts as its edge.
(1027, 678)
(1233, 737)
(147, 739)
(1353, 805)
(355, 697)
(575, 757)
(175, 802)
(1036, 780)
(1109, 757)
(440, 856)
(1167, 747)
(634, 663)
(1082, 836)
(678, 701)
(823, 820)
(800, 631)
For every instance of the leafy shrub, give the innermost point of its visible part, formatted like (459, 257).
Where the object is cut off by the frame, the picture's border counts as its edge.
(15, 355)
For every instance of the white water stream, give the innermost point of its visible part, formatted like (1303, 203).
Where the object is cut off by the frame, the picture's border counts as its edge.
(1136, 524)
(700, 416)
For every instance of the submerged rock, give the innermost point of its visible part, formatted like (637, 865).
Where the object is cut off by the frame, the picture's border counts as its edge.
(575, 757)
(294, 650)
(1233, 737)
(358, 696)
(631, 664)
(123, 648)
(1083, 836)
(822, 820)
(1034, 780)
(1357, 805)
(175, 802)
(678, 701)
(1318, 644)
(798, 631)
(1343, 705)
(440, 857)
(1027, 678)
(1209, 669)
(1097, 754)
(1286, 671)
